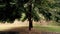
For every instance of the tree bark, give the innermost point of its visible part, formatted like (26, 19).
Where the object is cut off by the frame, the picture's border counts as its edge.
(30, 24)
(30, 15)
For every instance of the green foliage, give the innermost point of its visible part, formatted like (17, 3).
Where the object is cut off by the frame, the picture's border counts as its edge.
(13, 9)
(49, 8)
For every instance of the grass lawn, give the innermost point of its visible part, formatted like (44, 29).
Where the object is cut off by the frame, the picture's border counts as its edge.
(48, 28)
(23, 28)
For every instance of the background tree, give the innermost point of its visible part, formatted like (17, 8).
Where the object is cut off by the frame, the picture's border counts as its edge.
(49, 9)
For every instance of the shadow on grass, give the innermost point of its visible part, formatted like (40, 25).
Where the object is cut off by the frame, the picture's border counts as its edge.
(9, 32)
(19, 30)
(25, 30)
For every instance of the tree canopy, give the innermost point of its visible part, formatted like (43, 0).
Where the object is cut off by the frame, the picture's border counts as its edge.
(13, 9)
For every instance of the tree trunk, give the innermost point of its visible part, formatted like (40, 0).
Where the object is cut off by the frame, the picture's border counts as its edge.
(30, 24)
(30, 15)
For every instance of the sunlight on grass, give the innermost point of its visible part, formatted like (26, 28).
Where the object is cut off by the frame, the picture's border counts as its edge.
(10, 26)
(16, 24)
(48, 28)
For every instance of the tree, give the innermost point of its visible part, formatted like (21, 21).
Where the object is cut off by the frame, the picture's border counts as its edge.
(50, 9)
(13, 9)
